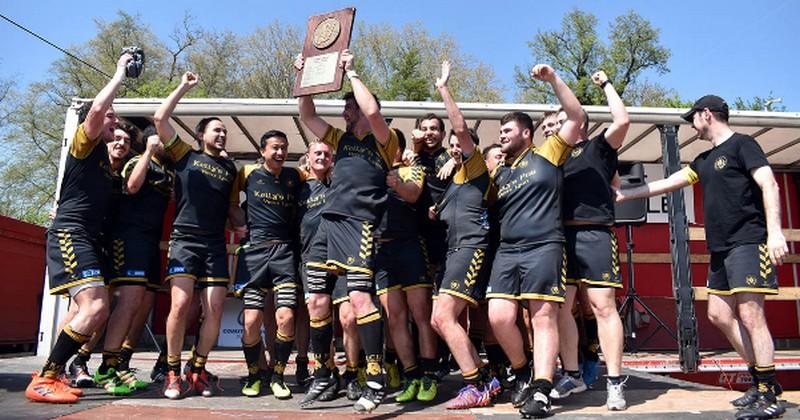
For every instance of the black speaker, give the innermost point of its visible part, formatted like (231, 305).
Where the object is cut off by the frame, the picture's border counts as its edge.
(631, 212)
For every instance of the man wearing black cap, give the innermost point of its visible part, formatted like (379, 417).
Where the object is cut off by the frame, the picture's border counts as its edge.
(741, 210)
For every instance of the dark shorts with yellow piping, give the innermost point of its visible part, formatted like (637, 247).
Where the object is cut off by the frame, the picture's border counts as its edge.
(529, 272)
(343, 246)
(400, 265)
(73, 258)
(267, 267)
(592, 256)
(743, 269)
(135, 262)
(465, 275)
(199, 257)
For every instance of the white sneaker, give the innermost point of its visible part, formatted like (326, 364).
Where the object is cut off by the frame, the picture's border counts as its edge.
(616, 396)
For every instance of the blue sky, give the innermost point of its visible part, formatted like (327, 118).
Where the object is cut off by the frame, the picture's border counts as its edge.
(730, 48)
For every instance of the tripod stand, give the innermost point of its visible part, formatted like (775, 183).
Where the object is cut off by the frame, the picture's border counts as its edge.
(627, 310)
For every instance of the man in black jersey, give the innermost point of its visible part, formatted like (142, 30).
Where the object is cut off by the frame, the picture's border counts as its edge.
(73, 252)
(344, 242)
(741, 210)
(592, 260)
(463, 208)
(266, 263)
(197, 257)
(529, 263)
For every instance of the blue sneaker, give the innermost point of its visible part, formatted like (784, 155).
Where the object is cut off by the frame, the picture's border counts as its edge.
(493, 388)
(590, 369)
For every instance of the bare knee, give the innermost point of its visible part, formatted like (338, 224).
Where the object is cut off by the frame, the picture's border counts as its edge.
(501, 320)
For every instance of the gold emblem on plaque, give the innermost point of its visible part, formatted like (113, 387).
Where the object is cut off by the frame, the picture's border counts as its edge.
(326, 32)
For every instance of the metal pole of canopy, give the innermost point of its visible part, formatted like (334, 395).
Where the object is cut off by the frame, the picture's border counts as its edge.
(688, 349)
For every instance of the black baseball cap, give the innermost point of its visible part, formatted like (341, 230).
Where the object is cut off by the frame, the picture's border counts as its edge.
(712, 102)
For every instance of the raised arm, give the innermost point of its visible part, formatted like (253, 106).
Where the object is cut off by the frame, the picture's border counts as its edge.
(93, 125)
(615, 134)
(776, 242)
(675, 181)
(453, 113)
(161, 118)
(570, 130)
(138, 175)
(308, 112)
(366, 102)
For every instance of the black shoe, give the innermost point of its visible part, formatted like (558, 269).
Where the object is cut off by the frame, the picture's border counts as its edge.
(332, 393)
(766, 406)
(521, 393)
(159, 372)
(370, 399)
(354, 390)
(751, 396)
(317, 388)
(301, 375)
(537, 406)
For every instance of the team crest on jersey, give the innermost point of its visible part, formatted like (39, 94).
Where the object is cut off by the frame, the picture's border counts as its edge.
(606, 276)
(453, 285)
(260, 182)
(350, 260)
(751, 280)
(577, 152)
(554, 290)
(721, 163)
(289, 183)
(522, 164)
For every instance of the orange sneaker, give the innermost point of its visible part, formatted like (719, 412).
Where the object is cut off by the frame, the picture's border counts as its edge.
(65, 382)
(49, 390)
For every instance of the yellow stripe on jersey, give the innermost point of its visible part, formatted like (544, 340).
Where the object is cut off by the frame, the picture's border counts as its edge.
(82, 145)
(690, 175)
(472, 168)
(555, 150)
(240, 182)
(177, 148)
(415, 174)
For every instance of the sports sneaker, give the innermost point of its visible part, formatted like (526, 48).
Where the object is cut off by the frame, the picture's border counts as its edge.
(427, 389)
(174, 387)
(537, 406)
(80, 375)
(252, 386)
(766, 406)
(469, 397)
(67, 382)
(751, 395)
(370, 399)
(103, 378)
(392, 375)
(332, 393)
(409, 392)
(129, 377)
(116, 386)
(567, 386)
(204, 383)
(318, 386)
(493, 387)
(521, 393)
(354, 390)
(279, 388)
(49, 390)
(159, 372)
(616, 396)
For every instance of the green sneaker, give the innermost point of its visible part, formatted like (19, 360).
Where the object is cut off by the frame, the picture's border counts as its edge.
(279, 388)
(410, 391)
(103, 378)
(427, 389)
(252, 388)
(115, 386)
(129, 377)
(392, 375)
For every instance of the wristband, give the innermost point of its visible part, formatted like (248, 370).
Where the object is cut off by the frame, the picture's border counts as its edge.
(351, 74)
(603, 85)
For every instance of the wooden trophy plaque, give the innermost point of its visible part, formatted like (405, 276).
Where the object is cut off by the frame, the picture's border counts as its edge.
(327, 36)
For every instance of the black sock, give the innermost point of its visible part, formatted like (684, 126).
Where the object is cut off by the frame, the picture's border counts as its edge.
(82, 358)
(110, 360)
(125, 355)
(283, 348)
(472, 377)
(542, 385)
(370, 330)
(753, 374)
(523, 373)
(765, 375)
(321, 335)
(428, 367)
(67, 344)
(252, 352)
(198, 362)
(574, 374)
(390, 356)
(174, 364)
(614, 380)
(413, 372)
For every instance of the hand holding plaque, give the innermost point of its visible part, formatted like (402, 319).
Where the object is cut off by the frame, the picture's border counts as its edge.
(319, 69)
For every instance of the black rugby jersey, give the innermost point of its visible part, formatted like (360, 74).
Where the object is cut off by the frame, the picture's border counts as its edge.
(203, 186)
(733, 205)
(463, 206)
(311, 200)
(141, 215)
(588, 172)
(400, 219)
(528, 195)
(85, 195)
(271, 201)
(358, 184)
(434, 187)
